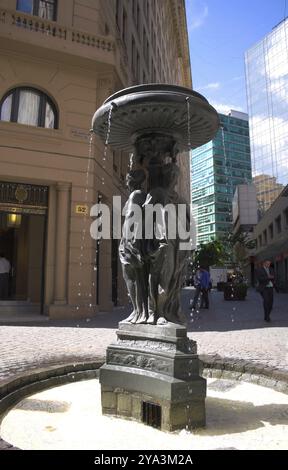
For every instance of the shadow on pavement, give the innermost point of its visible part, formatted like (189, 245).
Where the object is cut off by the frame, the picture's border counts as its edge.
(221, 316)
(230, 416)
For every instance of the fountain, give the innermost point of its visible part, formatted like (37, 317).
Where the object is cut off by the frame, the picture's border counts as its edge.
(152, 371)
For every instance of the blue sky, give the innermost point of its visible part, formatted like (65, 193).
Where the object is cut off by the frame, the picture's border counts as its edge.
(220, 31)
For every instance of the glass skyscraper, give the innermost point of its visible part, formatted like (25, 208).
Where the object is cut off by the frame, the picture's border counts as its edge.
(266, 66)
(216, 169)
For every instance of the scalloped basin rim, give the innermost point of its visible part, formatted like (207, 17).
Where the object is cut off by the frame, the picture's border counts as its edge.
(158, 88)
(145, 108)
(136, 99)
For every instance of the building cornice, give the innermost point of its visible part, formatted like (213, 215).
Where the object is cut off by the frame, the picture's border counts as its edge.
(178, 12)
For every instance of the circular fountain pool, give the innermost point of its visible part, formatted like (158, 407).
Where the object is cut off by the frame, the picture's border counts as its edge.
(239, 416)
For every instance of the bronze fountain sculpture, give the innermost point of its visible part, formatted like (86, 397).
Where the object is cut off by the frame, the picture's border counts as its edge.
(153, 365)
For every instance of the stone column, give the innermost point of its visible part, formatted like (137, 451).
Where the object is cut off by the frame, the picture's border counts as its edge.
(62, 231)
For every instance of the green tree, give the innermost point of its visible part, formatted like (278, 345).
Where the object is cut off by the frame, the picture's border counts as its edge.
(236, 247)
(210, 254)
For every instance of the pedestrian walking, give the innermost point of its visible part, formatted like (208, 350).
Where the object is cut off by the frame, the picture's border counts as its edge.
(265, 278)
(202, 285)
(205, 286)
(197, 285)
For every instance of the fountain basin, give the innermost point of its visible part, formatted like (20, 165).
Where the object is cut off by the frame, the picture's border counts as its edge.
(156, 109)
(239, 416)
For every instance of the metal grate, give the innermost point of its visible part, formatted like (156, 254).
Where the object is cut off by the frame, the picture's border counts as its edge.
(151, 414)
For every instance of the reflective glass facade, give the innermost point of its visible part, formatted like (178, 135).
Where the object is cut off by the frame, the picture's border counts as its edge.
(266, 66)
(216, 169)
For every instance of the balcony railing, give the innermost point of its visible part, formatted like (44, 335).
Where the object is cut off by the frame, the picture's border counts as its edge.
(51, 28)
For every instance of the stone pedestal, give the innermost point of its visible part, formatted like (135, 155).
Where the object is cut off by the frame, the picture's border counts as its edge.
(152, 375)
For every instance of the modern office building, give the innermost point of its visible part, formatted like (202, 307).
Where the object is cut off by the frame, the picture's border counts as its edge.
(271, 238)
(245, 218)
(267, 95)
(216, 169)
(267, 191)
(59, 60)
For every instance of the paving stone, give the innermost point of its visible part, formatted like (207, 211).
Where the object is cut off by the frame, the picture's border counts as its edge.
(247, 343)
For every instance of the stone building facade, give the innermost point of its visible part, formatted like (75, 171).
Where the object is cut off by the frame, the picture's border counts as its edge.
(59, 61)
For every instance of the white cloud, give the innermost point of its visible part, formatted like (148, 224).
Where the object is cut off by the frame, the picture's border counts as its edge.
(211, 86)
(225, 108)
(199, 19)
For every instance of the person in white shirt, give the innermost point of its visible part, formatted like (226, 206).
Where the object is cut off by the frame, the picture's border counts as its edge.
(5, 267)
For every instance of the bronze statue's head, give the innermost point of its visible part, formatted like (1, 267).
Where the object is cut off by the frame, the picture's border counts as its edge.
(135, 179)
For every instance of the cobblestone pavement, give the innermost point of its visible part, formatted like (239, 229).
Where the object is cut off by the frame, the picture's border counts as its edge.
(229, 329)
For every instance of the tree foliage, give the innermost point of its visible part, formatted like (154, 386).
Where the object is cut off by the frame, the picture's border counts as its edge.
(210, 254)
(229, 250)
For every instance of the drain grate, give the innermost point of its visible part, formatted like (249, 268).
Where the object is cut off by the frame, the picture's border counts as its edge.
(151, 414)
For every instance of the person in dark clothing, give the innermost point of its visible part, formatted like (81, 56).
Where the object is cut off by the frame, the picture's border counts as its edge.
(197, 285)
(5, 267)
(265, 278)
(205, 284)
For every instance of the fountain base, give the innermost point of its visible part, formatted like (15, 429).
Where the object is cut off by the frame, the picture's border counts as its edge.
(152, 376)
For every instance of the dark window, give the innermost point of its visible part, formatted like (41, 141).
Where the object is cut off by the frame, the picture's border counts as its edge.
(138, 17)
(44, 8)
(138, 68)
(29, 106)
(278, 224)
(271, 231)
(118, 14)
(133, 56)
(134, 10)
(124, 27)
(286, 217)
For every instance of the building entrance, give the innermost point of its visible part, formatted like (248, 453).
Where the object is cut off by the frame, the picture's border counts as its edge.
(22, 243)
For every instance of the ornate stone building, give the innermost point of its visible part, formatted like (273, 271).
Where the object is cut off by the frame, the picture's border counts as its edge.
(59, 61)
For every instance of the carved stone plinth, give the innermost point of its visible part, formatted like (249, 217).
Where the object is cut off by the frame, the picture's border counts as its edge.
(154, 365)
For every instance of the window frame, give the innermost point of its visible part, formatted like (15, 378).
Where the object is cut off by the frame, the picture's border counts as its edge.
(35, 8)
(43, 100)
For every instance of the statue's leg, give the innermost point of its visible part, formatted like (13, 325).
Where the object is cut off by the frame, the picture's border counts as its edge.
(142, 286)
(172, 307)
(165, 275)
(152, 296)
(130, 281)
(156, 292)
